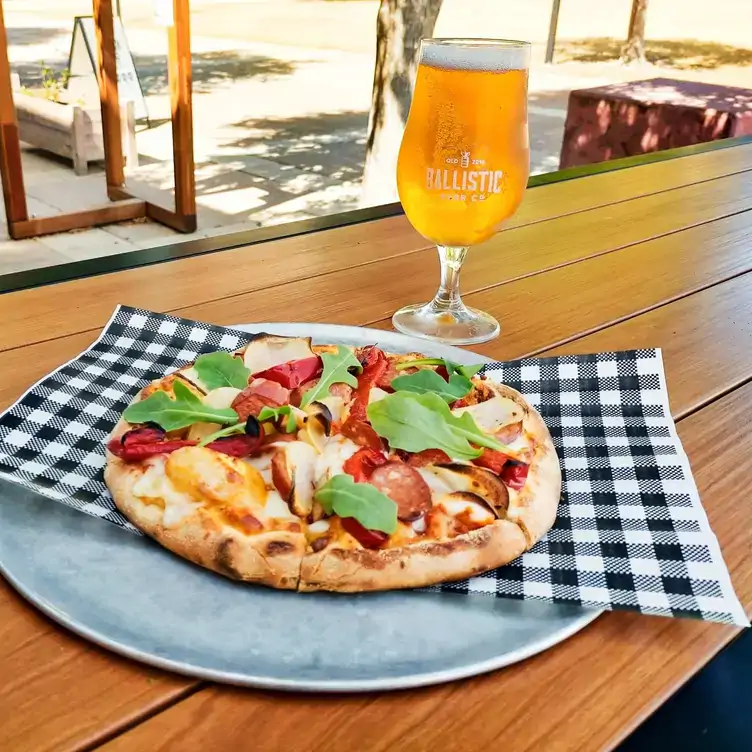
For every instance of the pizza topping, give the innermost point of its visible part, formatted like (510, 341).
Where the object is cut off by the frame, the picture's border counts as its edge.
(291, 375)
(267, 351)
(426, 380)
(222, 397)
(317, 426)
(367, 538)
(423, 421)
(336, 369)
(492, 460)
(137, 451)
(260, 393)
(342, 496)
(405, 487)
(444, 367)
(182, 411)
(427, 457)
(362, 464)
(376, 394)
(493, 414)
(514, 474)
(221, 369)
(375, 365)
(241, 445)
(475, 480)
(469, 509)
(143, 435)
(293, 468)
(509, 434)
(361, 433)
(284, 418)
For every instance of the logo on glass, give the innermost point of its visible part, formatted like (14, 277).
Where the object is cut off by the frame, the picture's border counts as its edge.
(464, 184)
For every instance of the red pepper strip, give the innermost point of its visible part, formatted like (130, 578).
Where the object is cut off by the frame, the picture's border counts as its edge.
(136, 452)
(142, 435)
(367, 538)
(241, 445)
(427, 457)
(363, 463)
(361, 433)
(515, 474)
(492, 460)
(291, 375)
(375, 365)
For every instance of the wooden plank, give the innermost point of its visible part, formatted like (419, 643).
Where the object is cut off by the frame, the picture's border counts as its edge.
(585, 694)
(701, 362)
(11, 169)
(179, 76)
(510, 255)
(97, 215)
(108, 94)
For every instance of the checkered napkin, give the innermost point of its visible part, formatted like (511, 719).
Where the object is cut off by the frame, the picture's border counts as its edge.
(630, 534)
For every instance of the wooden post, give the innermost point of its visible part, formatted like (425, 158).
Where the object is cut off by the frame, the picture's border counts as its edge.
(14, 193)
(108, 94)
(552, 27)
(180, 79)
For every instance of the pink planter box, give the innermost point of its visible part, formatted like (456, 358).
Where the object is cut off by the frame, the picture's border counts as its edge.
(623, 120)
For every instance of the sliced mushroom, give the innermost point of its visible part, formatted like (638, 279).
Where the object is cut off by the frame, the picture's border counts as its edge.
(494, 413)
(221, 398)
(317, 426)
(476, 507)
(293, 476)
(475, 480)
(267, 351)
(190, 374)
(199, 431)
(376, 394)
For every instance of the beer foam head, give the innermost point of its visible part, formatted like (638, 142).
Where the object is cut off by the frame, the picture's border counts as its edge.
(496, 55)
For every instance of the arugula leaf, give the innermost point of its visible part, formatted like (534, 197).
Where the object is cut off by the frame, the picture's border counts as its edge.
(343, 496)
(335, 372)
(467, 371)
(426, 380)
(181, 412)
(222, 369)
(415, 422)
(275, 413)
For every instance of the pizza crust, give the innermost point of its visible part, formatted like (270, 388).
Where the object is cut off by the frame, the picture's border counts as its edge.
(418, 565)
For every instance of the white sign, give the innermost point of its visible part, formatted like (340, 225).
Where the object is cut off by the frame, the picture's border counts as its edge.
(83, 67)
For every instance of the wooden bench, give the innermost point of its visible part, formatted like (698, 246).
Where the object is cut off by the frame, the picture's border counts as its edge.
(625, 119)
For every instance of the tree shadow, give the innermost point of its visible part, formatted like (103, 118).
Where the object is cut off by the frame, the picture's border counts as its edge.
(25, 36)
(682, 54)
(211, 70)
(329, 143)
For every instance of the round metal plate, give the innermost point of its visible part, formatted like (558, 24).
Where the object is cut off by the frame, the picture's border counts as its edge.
(131, 596)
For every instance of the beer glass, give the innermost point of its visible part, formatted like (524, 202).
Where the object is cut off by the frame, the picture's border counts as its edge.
(463, 166)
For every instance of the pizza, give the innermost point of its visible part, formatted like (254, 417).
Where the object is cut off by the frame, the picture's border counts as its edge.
(326, 467)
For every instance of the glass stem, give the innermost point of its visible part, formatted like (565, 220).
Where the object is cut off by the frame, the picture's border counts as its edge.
(448, 296)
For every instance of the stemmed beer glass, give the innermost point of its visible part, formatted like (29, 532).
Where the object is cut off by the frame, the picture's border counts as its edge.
(463, 166)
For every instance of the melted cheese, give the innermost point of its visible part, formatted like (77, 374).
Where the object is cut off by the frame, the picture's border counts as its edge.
(192, 375)
(434, 482)
(476, 512)
(331, 461)
(270, 351)
(322, 526)
(154, 484)
(263, 464)
(221, 398)
(276, 507)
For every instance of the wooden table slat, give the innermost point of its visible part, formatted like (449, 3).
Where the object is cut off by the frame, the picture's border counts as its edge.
(585, 694)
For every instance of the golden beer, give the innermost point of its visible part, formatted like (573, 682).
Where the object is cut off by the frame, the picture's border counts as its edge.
(462, 168)
(464, 160)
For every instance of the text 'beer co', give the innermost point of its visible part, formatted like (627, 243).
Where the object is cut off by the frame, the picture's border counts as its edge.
(463, 184)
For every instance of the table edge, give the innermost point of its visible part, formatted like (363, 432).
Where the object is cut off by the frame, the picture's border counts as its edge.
(16, 281)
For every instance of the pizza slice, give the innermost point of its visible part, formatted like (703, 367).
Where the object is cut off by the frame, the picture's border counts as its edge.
(325, 467)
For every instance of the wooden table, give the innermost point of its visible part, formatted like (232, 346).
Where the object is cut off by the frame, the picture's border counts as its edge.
(654, 255)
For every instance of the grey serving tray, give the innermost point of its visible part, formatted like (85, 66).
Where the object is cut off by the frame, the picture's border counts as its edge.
(129, 595)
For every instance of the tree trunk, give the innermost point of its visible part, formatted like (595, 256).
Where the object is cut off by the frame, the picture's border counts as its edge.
(400, 25)
(634, 49)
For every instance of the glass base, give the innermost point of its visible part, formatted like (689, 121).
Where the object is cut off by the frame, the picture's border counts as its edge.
(465, 326)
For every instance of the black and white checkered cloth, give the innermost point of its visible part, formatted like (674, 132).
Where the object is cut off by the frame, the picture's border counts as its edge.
(630, 534)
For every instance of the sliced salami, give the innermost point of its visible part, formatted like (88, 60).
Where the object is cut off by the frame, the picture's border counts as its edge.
(405, 487)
